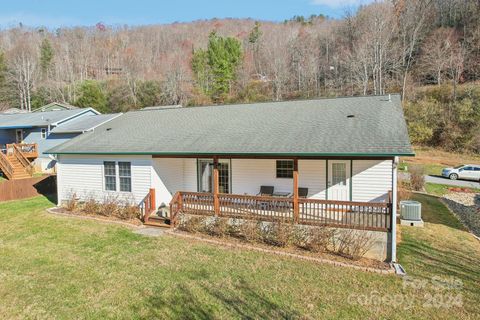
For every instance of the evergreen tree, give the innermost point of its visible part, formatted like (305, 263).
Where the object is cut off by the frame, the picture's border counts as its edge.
(46, 56)
(91, 95)
(216, 67)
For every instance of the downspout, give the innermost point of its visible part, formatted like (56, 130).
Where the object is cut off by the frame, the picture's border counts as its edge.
(394, 211)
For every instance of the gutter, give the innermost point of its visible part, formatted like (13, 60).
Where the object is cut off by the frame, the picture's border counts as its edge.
(375, 155)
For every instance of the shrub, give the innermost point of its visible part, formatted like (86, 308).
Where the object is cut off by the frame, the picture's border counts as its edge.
(403, 191)
(192, 224)
(72, 202)
(250, 230)
(217, 227)
(320, 239)
(353, 244)
(109, 206)
(129, 211)
(91, 206)
(417, 177)
(278, 234)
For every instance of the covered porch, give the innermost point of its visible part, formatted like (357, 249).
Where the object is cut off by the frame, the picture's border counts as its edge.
(322, 193)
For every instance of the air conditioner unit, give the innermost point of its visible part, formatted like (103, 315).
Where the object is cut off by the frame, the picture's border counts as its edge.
(411, 213)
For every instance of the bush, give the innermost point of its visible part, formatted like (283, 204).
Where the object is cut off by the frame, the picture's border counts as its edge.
(91, 206)
(417, 177)
(129, 211)
(217, 227)
(353, 244)
(72, 202)
(192, 224)
(250, 230)
(403, 191)
(278, 234)
(109, 207)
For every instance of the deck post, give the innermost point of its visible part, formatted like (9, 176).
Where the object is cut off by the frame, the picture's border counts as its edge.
(216, 201)
(296, 211)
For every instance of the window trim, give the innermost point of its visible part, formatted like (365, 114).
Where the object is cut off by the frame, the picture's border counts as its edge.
(105, 176)
(284, 169)
(124, 177)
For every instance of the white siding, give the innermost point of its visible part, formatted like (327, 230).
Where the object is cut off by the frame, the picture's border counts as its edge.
(167, 178)
(312, 175)
(83, 175)
(249, 174)
(372, 179)
(190, 175)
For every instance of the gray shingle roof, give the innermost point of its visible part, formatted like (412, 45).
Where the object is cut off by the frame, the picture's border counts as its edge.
(308, 128)
(85, 123)
(36, 119)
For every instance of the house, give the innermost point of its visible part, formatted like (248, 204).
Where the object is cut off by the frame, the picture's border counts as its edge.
(55, 106)
(30, 134)
(329, 162)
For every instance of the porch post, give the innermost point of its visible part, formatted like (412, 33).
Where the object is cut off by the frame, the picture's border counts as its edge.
(216, 201)
(394, 211)
(296, 211)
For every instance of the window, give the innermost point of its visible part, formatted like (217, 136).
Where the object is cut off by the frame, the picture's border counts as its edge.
(44, 133)
(110, 175)
(284, 168)
(477, 168)
(125, 174)
(339, 174)
(468, 169)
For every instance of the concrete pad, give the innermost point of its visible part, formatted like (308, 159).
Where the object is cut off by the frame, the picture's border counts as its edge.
(150, 232)
(411, 223)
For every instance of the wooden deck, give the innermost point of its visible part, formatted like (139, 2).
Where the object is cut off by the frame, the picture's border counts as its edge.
(15, 160)
(341, 214)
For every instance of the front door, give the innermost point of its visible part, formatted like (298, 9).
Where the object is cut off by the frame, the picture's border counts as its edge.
(19, 136)
(205, 175)
(338, 180)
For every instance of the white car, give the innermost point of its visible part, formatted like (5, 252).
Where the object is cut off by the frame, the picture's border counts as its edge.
(465, 171)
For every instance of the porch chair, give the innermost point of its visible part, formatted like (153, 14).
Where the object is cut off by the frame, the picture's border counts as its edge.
(302, 192)
(266, 191)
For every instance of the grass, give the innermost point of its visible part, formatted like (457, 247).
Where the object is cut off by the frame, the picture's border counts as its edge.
(57, 267)
(443, 189)
(434, 160)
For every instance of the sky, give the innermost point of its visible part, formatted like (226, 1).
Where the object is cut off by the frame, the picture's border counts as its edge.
(66, 13)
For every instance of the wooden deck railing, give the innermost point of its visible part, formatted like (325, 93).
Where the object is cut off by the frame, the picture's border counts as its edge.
(29, 150)
(21, 157)
(6, 166)
(147, 205)
(342, 214)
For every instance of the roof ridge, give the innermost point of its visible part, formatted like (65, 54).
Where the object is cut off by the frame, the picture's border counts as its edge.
(264, 102)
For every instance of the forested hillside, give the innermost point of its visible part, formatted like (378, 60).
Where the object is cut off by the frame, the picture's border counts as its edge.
(428, 50)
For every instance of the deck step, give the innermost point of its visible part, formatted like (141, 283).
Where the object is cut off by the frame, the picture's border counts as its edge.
(156, 221)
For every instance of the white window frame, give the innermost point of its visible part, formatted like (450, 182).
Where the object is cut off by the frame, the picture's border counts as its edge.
(117, 177)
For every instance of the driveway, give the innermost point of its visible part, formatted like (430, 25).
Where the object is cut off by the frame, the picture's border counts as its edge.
(442, 180)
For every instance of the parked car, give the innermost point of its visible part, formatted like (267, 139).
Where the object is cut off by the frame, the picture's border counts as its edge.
(465, 171)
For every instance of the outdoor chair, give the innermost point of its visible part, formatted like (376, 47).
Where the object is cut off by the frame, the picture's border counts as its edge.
(266, 191)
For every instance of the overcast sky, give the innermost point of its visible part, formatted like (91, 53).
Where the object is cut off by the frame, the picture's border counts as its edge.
(59, 13)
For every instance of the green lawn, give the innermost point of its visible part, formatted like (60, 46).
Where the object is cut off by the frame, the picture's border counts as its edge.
(57, 267)
(442, 189)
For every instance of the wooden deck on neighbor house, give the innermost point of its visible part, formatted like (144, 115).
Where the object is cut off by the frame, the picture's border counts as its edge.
(16, 160)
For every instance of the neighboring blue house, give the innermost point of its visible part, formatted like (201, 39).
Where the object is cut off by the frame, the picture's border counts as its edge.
(48, 129)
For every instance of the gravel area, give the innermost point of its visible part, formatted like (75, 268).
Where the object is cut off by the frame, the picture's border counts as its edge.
(467, 207)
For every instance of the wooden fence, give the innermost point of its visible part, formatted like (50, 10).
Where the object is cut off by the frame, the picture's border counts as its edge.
(27, 188)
